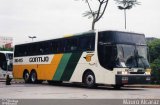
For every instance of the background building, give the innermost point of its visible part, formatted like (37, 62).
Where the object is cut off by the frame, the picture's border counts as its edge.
(6, 42)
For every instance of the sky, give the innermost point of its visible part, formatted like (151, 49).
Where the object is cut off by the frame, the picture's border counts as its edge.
(48, 19)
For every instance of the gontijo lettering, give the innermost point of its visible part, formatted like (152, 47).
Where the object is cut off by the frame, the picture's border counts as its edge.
(39, 59)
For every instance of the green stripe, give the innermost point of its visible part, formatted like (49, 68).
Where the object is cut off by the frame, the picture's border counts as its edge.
(61, 67)
(72, 63)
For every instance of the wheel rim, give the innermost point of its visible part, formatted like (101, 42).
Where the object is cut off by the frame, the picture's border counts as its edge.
(33, 77)
(26, 76)
(90, 79)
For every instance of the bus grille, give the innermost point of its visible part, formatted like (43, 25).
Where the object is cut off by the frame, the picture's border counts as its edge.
(137, 72)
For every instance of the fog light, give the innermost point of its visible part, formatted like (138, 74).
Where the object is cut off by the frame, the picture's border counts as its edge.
(148, 78)
(124, 78)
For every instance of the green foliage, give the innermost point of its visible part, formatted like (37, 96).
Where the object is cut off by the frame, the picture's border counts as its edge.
(6, 49)
(154, 51)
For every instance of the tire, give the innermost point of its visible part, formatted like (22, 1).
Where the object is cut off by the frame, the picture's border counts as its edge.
(89, 80)
(26, 77)
(33, 77)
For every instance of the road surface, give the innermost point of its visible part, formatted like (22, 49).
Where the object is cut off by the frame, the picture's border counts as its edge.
(71, 91)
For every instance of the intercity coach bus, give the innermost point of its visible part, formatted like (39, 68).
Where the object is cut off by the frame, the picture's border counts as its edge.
(6, 64)
(108, 57)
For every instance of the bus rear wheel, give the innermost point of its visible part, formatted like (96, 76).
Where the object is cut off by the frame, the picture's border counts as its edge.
(89, 80)
(33, 77)
(26, 77)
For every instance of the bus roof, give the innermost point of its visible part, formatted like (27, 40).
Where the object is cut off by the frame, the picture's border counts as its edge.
(78, 34)
(65, 36)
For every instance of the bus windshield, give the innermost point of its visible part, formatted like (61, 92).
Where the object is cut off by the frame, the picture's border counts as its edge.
(132, 56)
(121, 49)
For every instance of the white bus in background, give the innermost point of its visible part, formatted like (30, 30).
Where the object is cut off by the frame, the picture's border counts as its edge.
(6, 64)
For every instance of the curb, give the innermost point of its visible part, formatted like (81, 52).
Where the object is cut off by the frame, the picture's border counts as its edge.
(17, 82)
(143, 86)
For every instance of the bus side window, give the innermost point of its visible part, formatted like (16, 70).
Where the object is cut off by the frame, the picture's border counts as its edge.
(82, 43)
(74, 46)
(16, 54)
(71, 45)
(46, 47)
(54, 46)
(23, 51)
(87, 43)
(92, 43)
(31, 49)
(61, 46)
(28, 50)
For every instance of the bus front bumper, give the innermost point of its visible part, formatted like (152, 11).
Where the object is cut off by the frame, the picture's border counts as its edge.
(132, 79)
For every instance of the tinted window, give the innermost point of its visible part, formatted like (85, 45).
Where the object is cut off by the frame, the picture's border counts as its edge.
(121, 37)
(85, 42)
(71, 45)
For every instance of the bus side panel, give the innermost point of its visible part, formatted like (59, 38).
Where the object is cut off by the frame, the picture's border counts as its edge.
(84, 65)
(19, 69)
(102, 76)
(72, 63)
(67, 66)
(44, 71)
(47, 71)
(61, 67)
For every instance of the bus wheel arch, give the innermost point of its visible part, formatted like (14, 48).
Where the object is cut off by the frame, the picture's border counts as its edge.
(26, 76)
(89, 79)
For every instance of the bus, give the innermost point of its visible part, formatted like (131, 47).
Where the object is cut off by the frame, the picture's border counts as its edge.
(94, 58)
(6, 64)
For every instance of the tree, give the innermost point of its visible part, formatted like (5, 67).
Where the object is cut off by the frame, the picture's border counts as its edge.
(154, 49)
(126, 4)
(96, 15)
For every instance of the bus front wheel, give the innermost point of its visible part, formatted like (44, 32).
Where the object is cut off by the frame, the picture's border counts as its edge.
(89, 79)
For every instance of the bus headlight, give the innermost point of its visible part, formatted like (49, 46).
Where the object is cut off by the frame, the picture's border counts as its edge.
(124, 78)
(122, 72)
(148, 71)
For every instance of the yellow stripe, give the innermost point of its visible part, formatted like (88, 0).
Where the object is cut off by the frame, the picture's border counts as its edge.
(44, 71)
(47, 71)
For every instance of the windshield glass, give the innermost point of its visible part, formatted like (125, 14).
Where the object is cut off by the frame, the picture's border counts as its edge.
(122, 49)
(132, 56)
